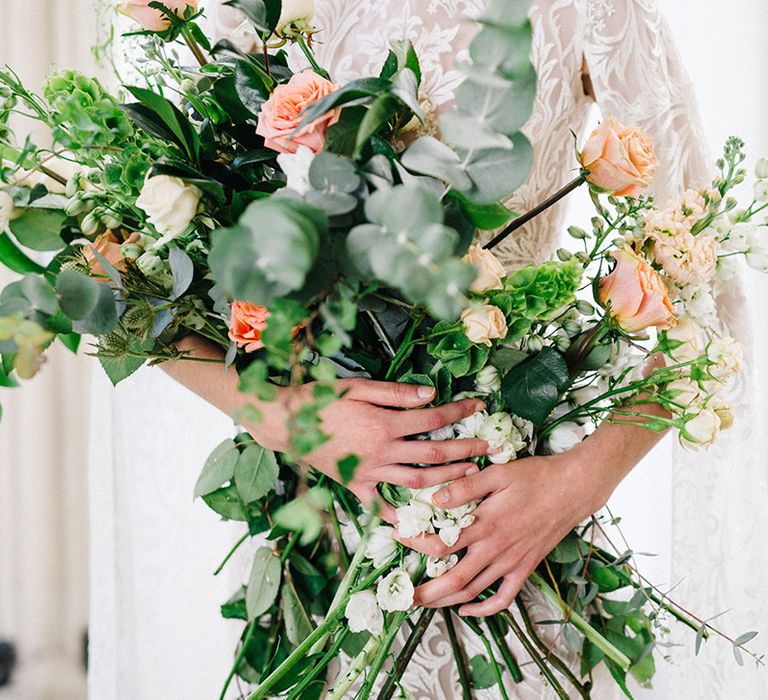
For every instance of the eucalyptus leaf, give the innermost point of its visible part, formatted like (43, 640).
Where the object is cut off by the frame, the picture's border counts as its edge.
(298, 624)
(39, 229)
(182, 269)
(498, 172)
(429, 156)
(263, 584)
(40, 294)
(103, 318)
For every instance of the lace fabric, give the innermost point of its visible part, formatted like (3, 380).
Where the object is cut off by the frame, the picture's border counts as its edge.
(637, 76)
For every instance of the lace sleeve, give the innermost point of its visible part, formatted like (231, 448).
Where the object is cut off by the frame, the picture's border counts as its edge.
(638, 76)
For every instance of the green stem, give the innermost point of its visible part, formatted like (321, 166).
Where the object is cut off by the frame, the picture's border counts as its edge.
(474, 625)
(405, 656)
(393, 628)
(581, 624)
(239, 658)
(194, 47)
(343, 554)
(405, 346)
(356, 668)
(329, 656)
(458, 655)
(504, 650)
(231, 553)
(301, 41)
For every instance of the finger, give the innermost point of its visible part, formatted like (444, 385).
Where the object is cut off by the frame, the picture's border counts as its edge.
(479, 584)
(373, 501)
(458, 578)
(394, 394)
(421, 477)
(433, 546)
(470, 488)
(501, 600)
(438, 452)
(426, 420)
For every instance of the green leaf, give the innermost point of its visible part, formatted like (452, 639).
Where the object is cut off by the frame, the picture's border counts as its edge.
(103, 318)
(234, 608)
(15, 260)
(227, 503)
(357, 91)
(39, 229)
(219, 468)
(78, 294)
(347, 467)
(305, 514)
(120, 368)
(486, 217)
(264, 583)
(182, 269)
(341, 137)
(255, 473)
(253, 86)
(533, 388)
(496, 173)
(298, 624)
(429, 156)
(40, 294)
(482, 672)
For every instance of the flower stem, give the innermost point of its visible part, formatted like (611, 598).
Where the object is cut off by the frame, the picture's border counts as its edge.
(239, 658)
(521, 221)
(231, 553)
(329, 656)
(302, 42)
(356, 668)
(393, 628)
(194, 47)
(504, 650)
(458, 655)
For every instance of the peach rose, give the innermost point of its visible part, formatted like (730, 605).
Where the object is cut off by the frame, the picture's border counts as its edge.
(484, 323)
(248, 323)
(109, 247)
(489, 270)
(281, 114)
(151, 19)
(620, 159)
(636, 295)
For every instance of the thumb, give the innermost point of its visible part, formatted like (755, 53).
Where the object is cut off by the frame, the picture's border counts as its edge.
(392, 394)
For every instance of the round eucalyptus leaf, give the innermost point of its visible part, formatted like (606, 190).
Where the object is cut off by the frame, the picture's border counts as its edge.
(333, 173)
(40, 294)
(497, 173)
(505, 110)
(429, 156)
(78, 294)
(470, 133)
(503, 50)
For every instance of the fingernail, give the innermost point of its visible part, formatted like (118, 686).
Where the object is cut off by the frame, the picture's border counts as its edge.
(441, 496)
(495, 450)
(472, 470)
(480, 406)
(425, 392)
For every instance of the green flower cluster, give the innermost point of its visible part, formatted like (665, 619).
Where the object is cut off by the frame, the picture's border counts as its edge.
(83, 113)
(538, 293)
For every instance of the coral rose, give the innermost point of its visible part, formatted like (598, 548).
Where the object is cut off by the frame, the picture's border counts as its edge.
(484, 323)
(281, 114)
(109, 247)
(620, 159)
(247, 324)
(148, 17)
(636, 294)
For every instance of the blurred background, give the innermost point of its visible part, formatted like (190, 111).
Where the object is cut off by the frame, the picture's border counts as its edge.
(44, 430)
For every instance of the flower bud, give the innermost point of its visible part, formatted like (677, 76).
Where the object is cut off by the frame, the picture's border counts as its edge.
(131, 251)
(488, 380)
(535, 344)
(585, 308)
(150, 264)
(74, 206)
(564, 255)
(111, 220)
(761, 191)
(74, 185)
(578, 233)
(91, 224)
(761, 169)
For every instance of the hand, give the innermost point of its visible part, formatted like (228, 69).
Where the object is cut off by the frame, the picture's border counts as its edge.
(529, 506)
(363, 423)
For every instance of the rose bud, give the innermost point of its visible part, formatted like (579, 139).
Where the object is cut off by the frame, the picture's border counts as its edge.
(148, 17)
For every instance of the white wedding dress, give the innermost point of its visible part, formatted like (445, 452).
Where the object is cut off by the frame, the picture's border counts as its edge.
(155, 630)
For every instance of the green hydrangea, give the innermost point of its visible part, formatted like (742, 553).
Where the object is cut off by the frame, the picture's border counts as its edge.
(84, 113)
(539, 292)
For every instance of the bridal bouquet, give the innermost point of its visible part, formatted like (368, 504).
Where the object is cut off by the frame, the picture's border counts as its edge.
(319, 232)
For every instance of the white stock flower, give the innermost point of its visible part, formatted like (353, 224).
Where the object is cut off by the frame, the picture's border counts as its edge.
(740, 236)
(169, 203)
(688, 333)
(565, 437)
(8, 211)
(761, 191)
(437, 567)
(244, 36)
(395, 592)
(363, 613)
(296, 168)
(381, 547)
(757, 259)
(701, 430)
(699, 303)
(299, 12)
(470, 426)
(488, 380)
(414, 519)
(727, 357)
(496, 429)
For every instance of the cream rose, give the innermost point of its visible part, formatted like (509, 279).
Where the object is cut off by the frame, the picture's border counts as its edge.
(170, 203)
(295, 12)
(690, 338)
(148, 17)
(484, 323)
(701, 430)
(684, 393)
(620, 159)
(489, 270)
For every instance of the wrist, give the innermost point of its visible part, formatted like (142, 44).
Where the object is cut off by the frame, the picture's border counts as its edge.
(589, 489)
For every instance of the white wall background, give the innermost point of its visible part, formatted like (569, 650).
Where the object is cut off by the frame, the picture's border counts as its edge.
(43, 507)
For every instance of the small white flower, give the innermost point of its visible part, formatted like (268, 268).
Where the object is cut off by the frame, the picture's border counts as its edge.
(441, 434)
(496, 429)
(761, 169)
(349, 533)
(169, 203)
(414, 519)
(411, 563)
(395, 592)
(757, 258)
(699, 303)
(296, 168)
(761, 191)
(363, 613)
(470, 426)
(244, 36)
(565, 437)
(488, 380)
(740, 236)
(8, 212)
(381, 547)
(437, 567)
(701, 430)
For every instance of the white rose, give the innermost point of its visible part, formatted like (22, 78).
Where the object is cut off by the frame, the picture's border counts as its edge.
(381, 547)
(296, 168)
(490, 271)
(414, 519)
(688, 333)
(726, 357)
(496, 429)
(684, 393)
(508, 453)
(470, 426)
(170, 203)
(484, 323)
(565, 437)
(364, 613)
(395, 592)
(8, 211)
(761, 168)
(761, 191)
(299, 12)
(488, 380)
(701, 430)
(437, 567)
(244, 36)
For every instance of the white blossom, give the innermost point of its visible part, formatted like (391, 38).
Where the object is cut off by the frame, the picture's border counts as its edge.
(381, 547)
(395, 592)
(363, 613)
(496, 429)
(296, 168)
(470, 426)
(488, 380)
(441, 434)
(565, 437)
(414, 519)
(411, 563)
(169, 203)
(437, 567)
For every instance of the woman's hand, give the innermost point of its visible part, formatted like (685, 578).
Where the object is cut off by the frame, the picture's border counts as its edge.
(366, 422)
(529, 506)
